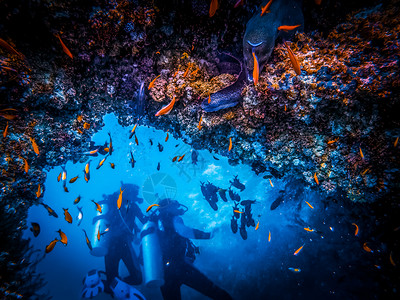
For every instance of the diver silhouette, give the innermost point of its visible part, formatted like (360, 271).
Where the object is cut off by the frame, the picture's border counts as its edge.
(116, 230)
(122, 230)
(178, 253)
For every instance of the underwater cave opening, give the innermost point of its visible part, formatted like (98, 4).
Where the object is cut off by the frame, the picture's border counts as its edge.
(287, 216)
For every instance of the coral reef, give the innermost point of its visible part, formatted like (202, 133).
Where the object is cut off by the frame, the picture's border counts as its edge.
(334, 127)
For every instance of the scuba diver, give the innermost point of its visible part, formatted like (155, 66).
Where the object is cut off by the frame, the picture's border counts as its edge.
(175, 252)
(115, 230)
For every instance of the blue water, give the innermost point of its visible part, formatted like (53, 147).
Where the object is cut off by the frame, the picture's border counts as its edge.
(239, 266)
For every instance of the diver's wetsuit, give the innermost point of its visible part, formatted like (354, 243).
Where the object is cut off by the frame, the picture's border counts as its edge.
(121, 247)
(177, 270)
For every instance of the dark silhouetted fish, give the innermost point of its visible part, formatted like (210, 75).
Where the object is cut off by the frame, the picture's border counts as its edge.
(216, 158)
(278, 201)
(275, 173)
(151, 142)
(234, 196)
(158, 166)
(160, 147)
(243, 232)
(235, 209)
(222, 194)
(237, 184)
(35, 229)
(132, 160)
(195, 155)
(234, 225)
(50, 210)
(209, 192)
(88, 243)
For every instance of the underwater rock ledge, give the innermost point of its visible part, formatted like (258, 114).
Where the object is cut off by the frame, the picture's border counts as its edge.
(336, 122)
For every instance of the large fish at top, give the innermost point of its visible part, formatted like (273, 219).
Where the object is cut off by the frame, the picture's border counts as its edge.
(260, 38)
(262, 31)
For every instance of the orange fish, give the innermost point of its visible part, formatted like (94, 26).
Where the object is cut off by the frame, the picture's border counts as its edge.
(365, 171)
(80, 131)
(59, 177)
(166, 109)
(396, 141)
(270, 182)
(98, 234)
(101, 163)
(318, 2)
(112, 165)
(166, 138)
(66, 189)
(186, 72)
(79, 118)
(98, 207)
(87, 167)
(9, 48)
(308, 229)
(332, 141)
(86, 125)
(34, 145)
(285, 107)
(356, 232)
(65, 49)
(258, 225)
(5, 131)
(366, 248)
(50, 246)
(209, 99)
(39, 191)
(295, 63)
(391, 259)
(151, 84)
(93, 152)
(87, 177)
(309, 205)
(316, 178)
(199, 125)
(133, 131)
(361, 153)
(180, 158)
(67, 215)
(64, 175)
(72, 180)
(269, 236)
(265, 8)
(63, 237)
(119, 201)
(76, 201)
(174, 158)
(298, 250)
(151, 206)
(256, 70)
(237, 211)
(26, 165)
(287, 28)
(230, 144)
(213, 8)
(136, 140)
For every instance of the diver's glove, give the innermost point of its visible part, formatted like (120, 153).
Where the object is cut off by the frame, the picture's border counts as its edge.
(122, 290)
(92, 284)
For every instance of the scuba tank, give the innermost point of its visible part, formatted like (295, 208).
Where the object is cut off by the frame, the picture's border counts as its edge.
(152, 257)
(100, 247)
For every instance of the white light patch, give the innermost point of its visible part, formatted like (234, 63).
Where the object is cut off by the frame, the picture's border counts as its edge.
(211, 170)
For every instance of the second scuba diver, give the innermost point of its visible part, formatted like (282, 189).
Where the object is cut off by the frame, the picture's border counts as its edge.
(115, 244)
(178, 253)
